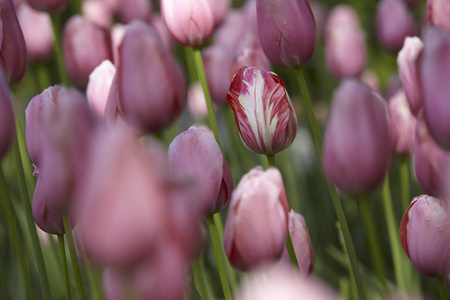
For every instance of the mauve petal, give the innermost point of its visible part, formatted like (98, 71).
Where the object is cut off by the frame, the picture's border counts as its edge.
(301, 242)
(99, 86)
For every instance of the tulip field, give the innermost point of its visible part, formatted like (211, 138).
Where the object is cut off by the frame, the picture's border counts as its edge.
(224, 149)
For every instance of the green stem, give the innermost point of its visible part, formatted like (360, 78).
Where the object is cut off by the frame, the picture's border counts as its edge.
(56, 20)
(26, 162)
(202, 77)
(62, 253)
(37, 250)
(352, 284)
(201, 282)
(373, 240)
(271, 160)
(42, 76)
(334, 196)
(219, 258)
(442, 288)
(73, 258)
(404, 182)
(396, 248)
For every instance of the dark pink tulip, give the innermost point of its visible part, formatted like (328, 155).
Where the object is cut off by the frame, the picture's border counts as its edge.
(394, 24)
(437, 13)
(99, 86)
(403, 123)
(301, 242)
(262, 110)
(151, 84)
(85, 46)
(407, 61)
(195, 154)
(98, 12)
(287, 31)
(425, 237)
(431, 162)
(256, 224)
(219, 9)
(190, 22)
(434, 71)
(13, 52)
(50, 6)
(37, 31)
(7, 121)
(357, 144)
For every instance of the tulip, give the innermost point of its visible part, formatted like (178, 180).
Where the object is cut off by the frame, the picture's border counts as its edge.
(130, 10)
(195, 154)
(219, 9)
(287, 31)
(196, 102)
(437, 14)
(425, 237)
(256, 225)
(262, 110)
(357, 145)
(13, 52)
(250, 54)
(229, 34)
(394, 24)
(117, 34)
(434, 68)
(98, 87)
(50, 6)
(151, 85)
(431, 162)
(301, 242)
(343, 39)
(403, 123)
(7, 121)
(98, 12)
(85, 46)
(409, 73)
(190, 22)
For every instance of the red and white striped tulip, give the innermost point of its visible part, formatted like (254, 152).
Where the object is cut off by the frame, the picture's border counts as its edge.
(263, 111)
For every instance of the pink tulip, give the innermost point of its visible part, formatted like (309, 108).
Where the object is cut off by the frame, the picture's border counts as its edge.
(301, 242)
(13, 52)
(117, 34)
(250, 54)
(287, 31)
(219, 9)
(190, 22)
(424, 235)
(195, 154)
(403, 123)
(409, 73)
(85, 46)
(357, 144)
(256, 224)
(263, 111)
(437, 13)
(196, 102)
(7, 121)
(230, 34)
(151, 84)
(130, 10)
(97, 12)
(99, 86)
(50, 6)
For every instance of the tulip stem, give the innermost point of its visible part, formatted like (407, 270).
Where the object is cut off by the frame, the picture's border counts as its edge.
(202, 77)
(334, 196)
(56, 24)
(404, 182)
(442, 288)
(373, 240)
(393, 235)
(73, 258)
(201, 281)
(219, 258)
(62, 253)
(26, 163)
(271, 160)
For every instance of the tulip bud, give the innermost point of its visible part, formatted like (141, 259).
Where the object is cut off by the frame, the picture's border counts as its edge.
(437, 13)
(50, 6)
(403, 123)
(219, 9)
(7, 121)
(357, 145)
(394, 24)
(151, 85)
(256, 226)
(85, 46)
(434, 68)
(287, 31)
(195, 154)
(98, 87)
(409, 73)
(13, 52)
(301, 242)
(98, 12)
(262, 110)
(425, 236)
(190, 22)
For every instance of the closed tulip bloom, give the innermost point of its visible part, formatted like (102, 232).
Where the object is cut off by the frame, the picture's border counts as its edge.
(262, 110)
(250, 54)
(394, 24)
(151, 84)
(434, 69)
(50, 6)
(408, 69)
(98, 12)
(85, 46)
(219, 9)
(424, 234)
(229, 34)
(357, 145)
(287, 31)
(190, 22)
(437, 13)
(98, 87)
(7, 121)
(301, 242)
(403, 123)
(256, 224)
(13, 52)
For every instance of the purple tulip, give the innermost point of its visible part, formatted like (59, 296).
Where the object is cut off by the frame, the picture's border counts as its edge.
(7, 120)
(50, 6)
(403, 123)
(287, 31)
(437, 13)
(357, 145)
(301, 242)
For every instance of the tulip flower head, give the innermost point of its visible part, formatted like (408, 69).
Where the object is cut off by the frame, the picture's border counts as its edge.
(403, 122)
(263, 111)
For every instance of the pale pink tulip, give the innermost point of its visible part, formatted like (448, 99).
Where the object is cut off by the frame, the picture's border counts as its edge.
(99, 86)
